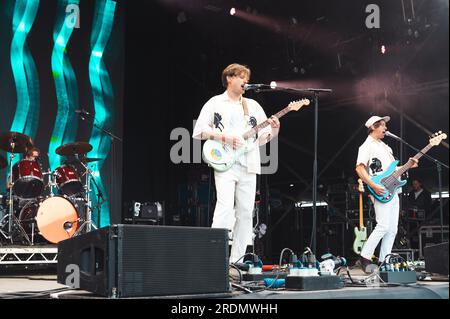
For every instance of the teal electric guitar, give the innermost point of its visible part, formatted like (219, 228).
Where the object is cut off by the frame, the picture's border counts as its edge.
(390, 178)
(361, 232)
(222, 156)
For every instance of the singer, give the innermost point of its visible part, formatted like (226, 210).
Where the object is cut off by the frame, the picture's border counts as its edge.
(374, 157)
(225, 118)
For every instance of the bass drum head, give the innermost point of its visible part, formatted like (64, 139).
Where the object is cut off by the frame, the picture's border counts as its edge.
(57, 219)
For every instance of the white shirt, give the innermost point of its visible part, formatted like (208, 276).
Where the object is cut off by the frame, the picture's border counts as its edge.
(376, 156)
(223, 115)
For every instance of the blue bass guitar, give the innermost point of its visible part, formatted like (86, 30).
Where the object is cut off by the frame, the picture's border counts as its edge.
(390, 178)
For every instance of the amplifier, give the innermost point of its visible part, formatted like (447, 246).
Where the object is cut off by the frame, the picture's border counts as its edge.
(141, 260)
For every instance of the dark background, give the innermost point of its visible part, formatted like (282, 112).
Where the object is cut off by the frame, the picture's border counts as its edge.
(176, 51)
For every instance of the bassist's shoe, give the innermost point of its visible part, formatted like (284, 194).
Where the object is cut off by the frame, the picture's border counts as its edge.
(367, 265)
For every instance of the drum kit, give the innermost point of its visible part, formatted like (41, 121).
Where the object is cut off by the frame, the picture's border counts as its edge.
(45, 206)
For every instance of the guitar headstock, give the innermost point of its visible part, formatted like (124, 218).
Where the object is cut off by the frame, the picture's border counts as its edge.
(360, 185)
(297, 105)
(437, 137)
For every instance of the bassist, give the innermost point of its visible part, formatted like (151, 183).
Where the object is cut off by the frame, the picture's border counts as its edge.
(374, 157)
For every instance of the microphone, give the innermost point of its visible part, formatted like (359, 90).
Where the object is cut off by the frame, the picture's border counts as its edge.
(253, 86)
(392, 135)
(82, 111)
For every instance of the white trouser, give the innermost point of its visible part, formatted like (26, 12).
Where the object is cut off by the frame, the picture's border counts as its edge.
(236, 191)
(386, 215)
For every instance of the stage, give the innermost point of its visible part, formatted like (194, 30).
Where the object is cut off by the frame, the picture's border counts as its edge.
(43, 285)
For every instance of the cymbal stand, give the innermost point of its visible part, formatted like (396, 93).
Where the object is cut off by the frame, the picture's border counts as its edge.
(11, 217)
(87, 223)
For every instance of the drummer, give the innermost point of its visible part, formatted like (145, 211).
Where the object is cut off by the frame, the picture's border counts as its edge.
(32, 154)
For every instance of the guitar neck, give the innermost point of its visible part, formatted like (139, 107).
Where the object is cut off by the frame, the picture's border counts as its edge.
(262, 125)
(410, 163)
(361, 211)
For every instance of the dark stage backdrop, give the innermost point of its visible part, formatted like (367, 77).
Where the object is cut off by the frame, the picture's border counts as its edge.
(58, 56)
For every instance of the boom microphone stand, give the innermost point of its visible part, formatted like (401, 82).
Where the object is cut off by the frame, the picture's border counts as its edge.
(315, 92)
(82, 113)
(439, 165)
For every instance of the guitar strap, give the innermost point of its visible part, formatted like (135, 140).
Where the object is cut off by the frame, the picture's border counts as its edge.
(246, 116)
(244, 106)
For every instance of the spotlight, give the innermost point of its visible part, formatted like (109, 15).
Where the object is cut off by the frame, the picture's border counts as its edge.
(273, 85)
(232, 11)
(383, 49)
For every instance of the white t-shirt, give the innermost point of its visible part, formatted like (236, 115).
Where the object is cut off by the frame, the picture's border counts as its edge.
(223, 115)
(376, 156)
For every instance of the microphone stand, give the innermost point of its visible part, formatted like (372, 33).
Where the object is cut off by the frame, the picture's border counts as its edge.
(113, 138)
(315, 92)
(439, 165)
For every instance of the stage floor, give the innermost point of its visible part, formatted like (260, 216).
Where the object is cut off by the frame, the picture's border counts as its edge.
(44, 285)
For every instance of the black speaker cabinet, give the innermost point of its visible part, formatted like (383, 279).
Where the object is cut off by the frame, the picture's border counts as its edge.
(141, 260)
(436, 258)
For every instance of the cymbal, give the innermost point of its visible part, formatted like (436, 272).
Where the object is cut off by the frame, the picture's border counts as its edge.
(3, 162)
(91, 159)
(76, 148)
(22, 142)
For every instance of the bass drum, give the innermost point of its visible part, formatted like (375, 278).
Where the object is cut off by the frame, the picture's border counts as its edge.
(54, 218)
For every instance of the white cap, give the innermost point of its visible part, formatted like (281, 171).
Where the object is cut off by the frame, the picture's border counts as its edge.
(375, 119)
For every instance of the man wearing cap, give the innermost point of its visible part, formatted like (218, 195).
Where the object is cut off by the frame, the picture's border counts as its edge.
(374, 157)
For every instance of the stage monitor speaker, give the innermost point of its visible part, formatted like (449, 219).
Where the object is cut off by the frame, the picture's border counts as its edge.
(141, 260)
(436, 258)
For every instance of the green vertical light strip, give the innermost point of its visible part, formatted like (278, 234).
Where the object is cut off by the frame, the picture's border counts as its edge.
(24, 71)
(103, 97)
(65, 128)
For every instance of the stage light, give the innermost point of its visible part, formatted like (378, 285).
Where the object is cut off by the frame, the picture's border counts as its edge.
(232, 11)
(383, 49)
(273, 85)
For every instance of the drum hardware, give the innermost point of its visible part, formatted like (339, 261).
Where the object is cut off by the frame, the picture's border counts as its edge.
(13, 142)
(87, 223)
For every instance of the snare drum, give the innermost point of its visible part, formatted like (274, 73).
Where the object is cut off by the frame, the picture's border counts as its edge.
(27, 178)
(68, 180)
(54, 218)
